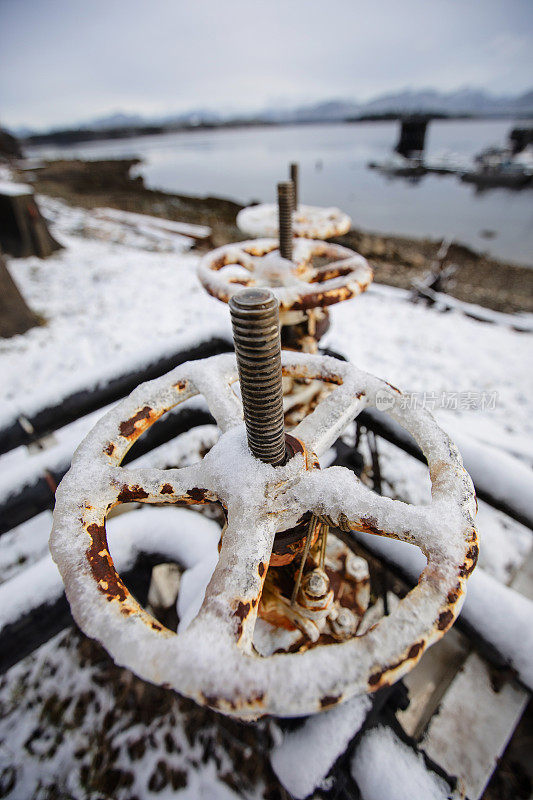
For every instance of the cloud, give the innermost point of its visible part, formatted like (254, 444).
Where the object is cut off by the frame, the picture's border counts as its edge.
(69, 60)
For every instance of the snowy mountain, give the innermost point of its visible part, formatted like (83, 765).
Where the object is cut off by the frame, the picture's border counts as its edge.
(468, 100)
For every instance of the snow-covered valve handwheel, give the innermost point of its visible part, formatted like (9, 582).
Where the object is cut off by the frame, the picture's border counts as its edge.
(213, 661)
(310, 222)
(299, 284)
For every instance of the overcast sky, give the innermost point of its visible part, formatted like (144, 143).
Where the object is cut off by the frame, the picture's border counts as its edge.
(62, 61)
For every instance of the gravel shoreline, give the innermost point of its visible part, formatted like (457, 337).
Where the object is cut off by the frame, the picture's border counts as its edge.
(397, 260)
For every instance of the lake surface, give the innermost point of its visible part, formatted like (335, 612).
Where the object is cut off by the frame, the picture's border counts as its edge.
(245, 164)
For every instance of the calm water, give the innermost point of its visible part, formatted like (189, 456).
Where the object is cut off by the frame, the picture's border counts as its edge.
(246, 164)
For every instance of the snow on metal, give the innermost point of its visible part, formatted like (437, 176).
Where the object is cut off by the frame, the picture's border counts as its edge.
(310, 222)
(297, 284)
(212, 661)
(146, 531)
(499, 614)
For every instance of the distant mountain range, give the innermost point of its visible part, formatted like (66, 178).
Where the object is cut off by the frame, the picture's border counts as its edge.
(471, 102)
(463, 102)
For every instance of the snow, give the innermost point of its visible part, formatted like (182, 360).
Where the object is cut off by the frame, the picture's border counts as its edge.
(95, 297)
(444, 302)
(109, 304)
(135, 220)
(96, 722)
(108, 309)
(179, 534)
(27, 543)
(387, 769)
(14, 189)
(303, 758)
(508, 480)
(21, 467)
(505, 544)
(444, 361)
(24, 545)
(499, 614)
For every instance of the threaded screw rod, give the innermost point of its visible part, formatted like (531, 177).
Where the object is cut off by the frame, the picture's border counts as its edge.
(285, 208)
(256, 335)
(294, 172)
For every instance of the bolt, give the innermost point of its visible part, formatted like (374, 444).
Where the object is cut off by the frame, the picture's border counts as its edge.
(356, 567)
(316, 584)
(256, 335)
(285, 207)
(345, 623)
(294, 179)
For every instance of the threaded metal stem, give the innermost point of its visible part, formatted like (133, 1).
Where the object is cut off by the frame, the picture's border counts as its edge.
(256, 334)
(285, 207)
(295, 178)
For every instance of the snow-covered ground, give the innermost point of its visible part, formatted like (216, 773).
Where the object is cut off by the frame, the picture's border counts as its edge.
(114, 295)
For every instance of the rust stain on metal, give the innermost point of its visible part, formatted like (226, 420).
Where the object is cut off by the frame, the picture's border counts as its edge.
(109, 448)
(379, 679)
(376, 680)
(454, 594)
(166, 489)
(288, 544)
(327, 274)
(198, 495)
(261, 569)
(445, 620)
(287, 372)
(471, 560)
(330, 700)
(211, 700)
(129, 494)
(180, 385)
(129, 428)
(415, 649)
(369, 525)
(102, 566)
(235, 703)
(241, 612)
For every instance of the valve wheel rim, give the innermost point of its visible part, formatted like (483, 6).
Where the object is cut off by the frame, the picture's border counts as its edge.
(296, 285)
(212, 661)
(310, 222)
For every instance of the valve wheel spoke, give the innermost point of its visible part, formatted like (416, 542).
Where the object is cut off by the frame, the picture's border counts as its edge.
(150, 485)
(234, 591)
(215, 383)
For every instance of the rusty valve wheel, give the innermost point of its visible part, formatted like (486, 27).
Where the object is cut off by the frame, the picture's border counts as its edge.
(213, 660)
(311, 222)
(296, 284)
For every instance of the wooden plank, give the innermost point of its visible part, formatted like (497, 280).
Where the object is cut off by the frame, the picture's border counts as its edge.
(475, 721)
(133, 219)
(476, 713)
